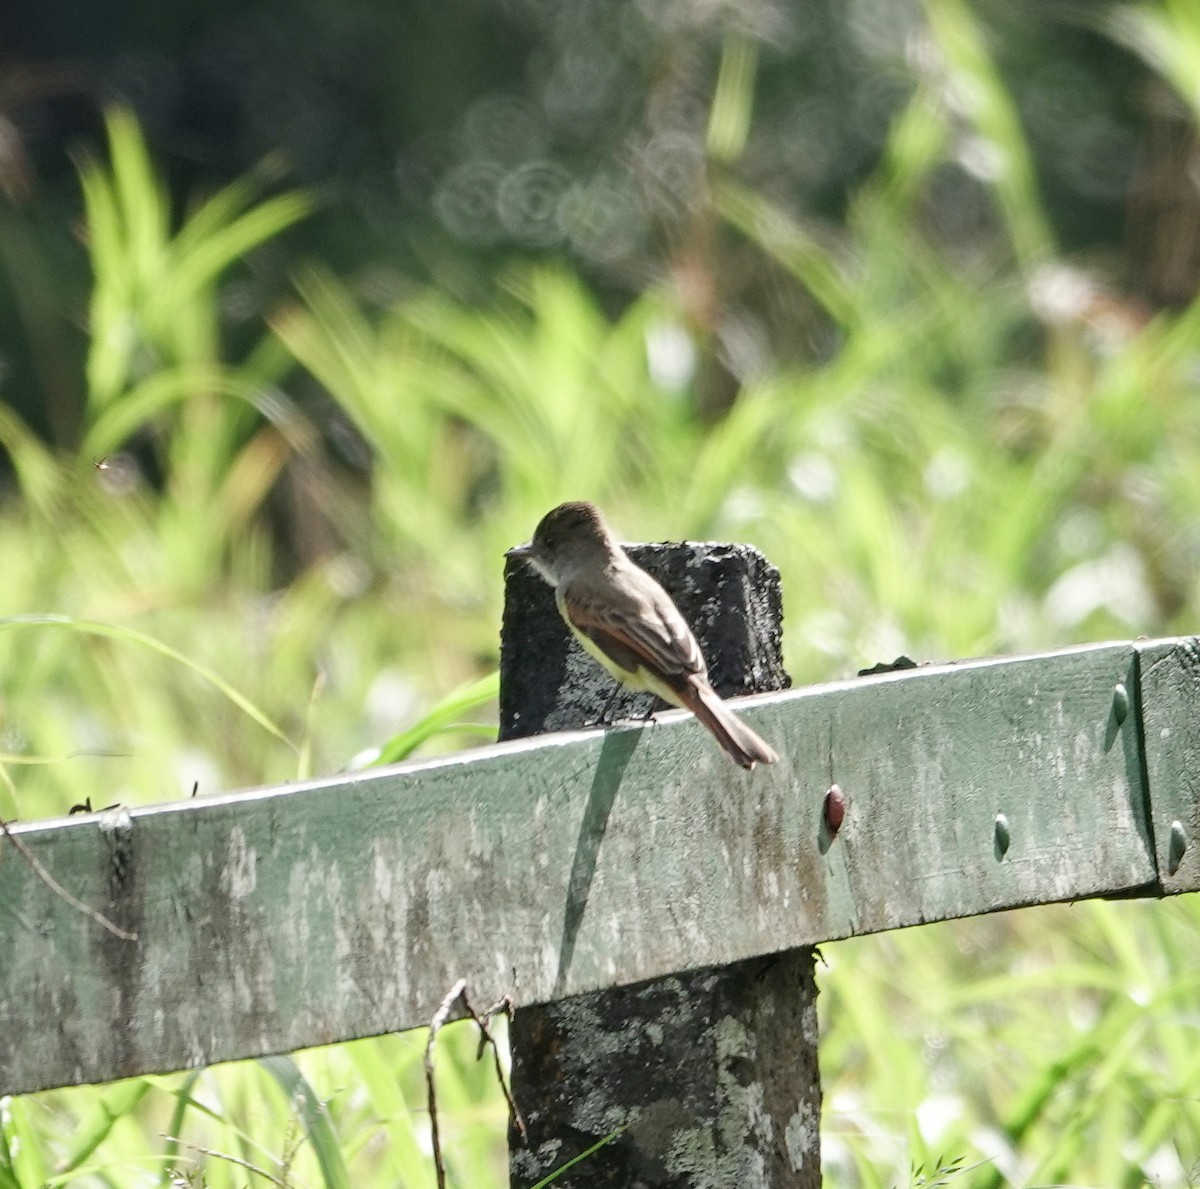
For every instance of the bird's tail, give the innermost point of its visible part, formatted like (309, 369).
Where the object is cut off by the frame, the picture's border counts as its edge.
(738, 741)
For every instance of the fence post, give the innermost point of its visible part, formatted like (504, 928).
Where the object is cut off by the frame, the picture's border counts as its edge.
(710, 1076)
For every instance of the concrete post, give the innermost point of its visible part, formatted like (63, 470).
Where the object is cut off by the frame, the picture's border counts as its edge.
(711, 1076)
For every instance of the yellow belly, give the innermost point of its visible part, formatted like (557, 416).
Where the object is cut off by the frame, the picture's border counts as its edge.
(640, 679)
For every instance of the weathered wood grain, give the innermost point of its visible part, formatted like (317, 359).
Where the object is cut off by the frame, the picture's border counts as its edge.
(1170, 684)
(272, 920)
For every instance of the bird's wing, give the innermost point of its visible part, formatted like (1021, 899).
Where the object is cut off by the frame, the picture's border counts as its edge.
(635, 625)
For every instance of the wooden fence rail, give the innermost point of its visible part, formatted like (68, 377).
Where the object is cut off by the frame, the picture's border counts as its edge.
(276, 919)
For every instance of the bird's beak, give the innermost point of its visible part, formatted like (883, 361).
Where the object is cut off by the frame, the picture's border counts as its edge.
(520, 552)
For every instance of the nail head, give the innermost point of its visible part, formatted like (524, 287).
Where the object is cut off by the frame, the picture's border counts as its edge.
(1176, 846)
(1002, 835)
(834, 809)
(1120, 703)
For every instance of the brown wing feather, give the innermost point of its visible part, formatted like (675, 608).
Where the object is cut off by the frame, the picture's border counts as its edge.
(641, 627)
(633, 622)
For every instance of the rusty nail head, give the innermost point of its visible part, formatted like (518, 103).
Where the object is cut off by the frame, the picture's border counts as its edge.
(834, 810)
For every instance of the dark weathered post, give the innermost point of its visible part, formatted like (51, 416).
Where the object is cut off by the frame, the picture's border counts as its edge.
(709, 1077)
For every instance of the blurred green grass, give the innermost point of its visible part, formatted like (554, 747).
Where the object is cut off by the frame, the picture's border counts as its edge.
(991, 453)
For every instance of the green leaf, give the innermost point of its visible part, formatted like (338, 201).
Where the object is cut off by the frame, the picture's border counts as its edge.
(314, 1117)
(131, 635)
(441, 717)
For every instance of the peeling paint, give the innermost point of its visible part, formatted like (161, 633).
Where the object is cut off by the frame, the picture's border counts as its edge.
(239, 875)
(381, 872)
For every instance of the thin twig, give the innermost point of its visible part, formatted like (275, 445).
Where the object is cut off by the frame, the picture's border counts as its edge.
(458, 993)
(501, 1007)
(59, 890)
(435, 1026)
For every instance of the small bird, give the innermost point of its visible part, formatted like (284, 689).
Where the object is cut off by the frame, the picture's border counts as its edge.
(626, 621)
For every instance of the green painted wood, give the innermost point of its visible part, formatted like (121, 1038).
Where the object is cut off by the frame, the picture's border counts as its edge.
(1170, 689)
(281, 918)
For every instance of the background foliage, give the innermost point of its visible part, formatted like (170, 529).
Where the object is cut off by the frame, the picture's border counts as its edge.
(904, 294)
